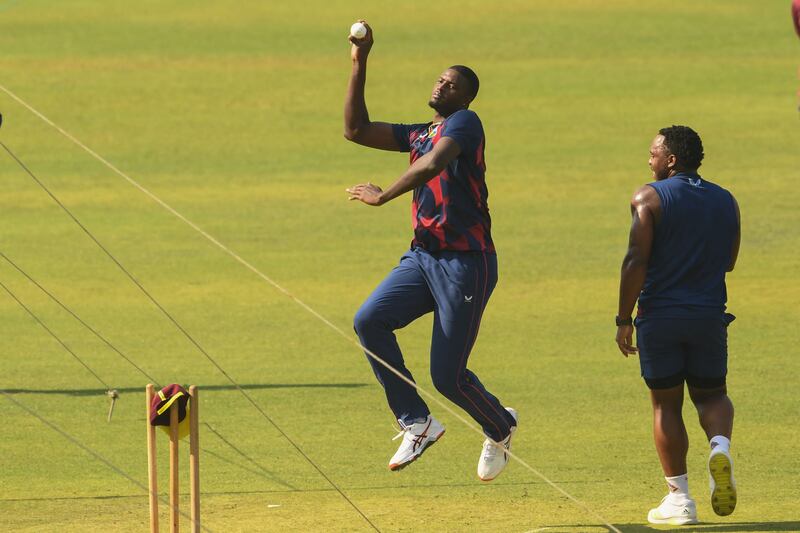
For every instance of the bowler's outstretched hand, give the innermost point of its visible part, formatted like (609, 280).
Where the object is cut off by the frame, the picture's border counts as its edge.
(366, 192)
(361, 47)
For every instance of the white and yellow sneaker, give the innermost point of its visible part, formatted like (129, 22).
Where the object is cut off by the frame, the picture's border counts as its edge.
(723, 486)
(493, 456)
(675, 514)
(416, 438)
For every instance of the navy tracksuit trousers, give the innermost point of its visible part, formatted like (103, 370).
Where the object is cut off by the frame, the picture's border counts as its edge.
(456, 287)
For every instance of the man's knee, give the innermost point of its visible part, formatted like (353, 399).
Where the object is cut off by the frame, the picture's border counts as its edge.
(447, 385)
(365, 319)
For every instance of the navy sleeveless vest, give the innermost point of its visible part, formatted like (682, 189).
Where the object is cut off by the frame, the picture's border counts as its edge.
(691, 250)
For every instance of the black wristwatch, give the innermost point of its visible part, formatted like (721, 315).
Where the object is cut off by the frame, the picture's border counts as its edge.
(623, 321)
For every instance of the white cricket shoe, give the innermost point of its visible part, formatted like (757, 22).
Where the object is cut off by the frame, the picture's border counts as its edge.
(494, 457)
(416, 438)
(675, 514)
(723, 486)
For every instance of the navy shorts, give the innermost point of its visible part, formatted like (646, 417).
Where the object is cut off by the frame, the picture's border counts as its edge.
(674, 350)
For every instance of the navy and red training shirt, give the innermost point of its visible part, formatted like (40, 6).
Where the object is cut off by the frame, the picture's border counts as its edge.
(450, 212)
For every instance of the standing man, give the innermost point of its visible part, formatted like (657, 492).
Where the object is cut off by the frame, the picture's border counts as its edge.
(451, 268)
(683, 239)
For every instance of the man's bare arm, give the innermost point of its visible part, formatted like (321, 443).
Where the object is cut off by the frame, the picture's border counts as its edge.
(645, 209)
(736, 240)
(357, 126)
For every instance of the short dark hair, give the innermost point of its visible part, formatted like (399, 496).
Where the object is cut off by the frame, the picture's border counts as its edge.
(685, 144)
(472, 78)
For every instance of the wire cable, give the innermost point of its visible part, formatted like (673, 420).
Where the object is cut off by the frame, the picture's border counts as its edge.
(264, 471)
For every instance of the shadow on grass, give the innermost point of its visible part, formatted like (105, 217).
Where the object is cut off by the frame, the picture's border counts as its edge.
(730, 527)
(721, 528)
(203, 388)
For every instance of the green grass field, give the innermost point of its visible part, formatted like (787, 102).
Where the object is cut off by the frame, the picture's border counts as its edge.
(232, 113)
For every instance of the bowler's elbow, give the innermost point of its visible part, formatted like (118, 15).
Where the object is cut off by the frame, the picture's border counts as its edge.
(351, 134)
(437, 163)
(433, 168)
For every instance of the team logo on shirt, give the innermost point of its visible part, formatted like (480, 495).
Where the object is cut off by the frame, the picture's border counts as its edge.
(432, 130)
(698, 183)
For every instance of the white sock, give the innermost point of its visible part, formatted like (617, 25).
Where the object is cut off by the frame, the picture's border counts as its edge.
(720, 443)
(678, 487)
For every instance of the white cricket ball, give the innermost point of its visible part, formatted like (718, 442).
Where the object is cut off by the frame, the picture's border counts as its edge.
(358, 30)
